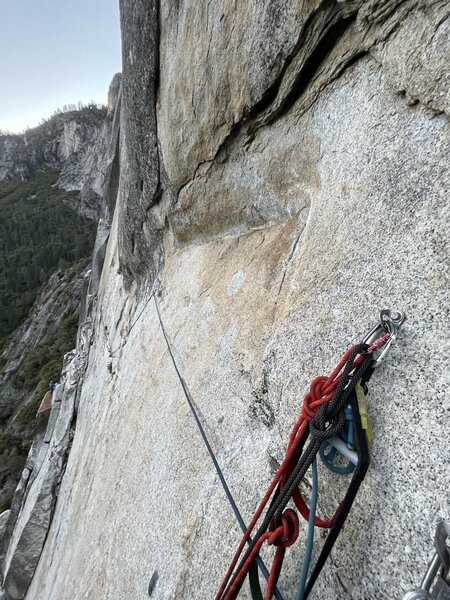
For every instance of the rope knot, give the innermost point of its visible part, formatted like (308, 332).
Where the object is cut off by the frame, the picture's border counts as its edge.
(320, 391)
(286, 533)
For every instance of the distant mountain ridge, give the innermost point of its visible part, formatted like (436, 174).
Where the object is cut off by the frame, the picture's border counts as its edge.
(71, 142)
(50, 144)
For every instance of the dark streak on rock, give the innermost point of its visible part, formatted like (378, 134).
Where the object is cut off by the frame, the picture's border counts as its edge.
(153, 582)
(260, 408)
(338, 577)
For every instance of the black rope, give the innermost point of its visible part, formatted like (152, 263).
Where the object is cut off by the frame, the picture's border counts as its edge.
(329, 420)
(345, 506)
(113, 352)
(190, 401)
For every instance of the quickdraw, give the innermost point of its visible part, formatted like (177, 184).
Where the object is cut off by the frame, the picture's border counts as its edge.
(331, 403)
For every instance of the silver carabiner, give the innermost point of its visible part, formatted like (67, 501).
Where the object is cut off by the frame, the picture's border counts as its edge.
(436, 583)
(390, 322)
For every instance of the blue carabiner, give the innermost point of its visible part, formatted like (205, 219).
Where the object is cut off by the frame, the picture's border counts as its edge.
(328, 452)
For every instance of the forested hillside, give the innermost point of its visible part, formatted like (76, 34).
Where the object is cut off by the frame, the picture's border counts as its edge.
(38, 234)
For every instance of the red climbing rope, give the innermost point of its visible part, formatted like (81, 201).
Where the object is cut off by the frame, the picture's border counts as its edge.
(285, 532)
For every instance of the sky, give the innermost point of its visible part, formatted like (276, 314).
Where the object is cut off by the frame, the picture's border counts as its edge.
(52, 53)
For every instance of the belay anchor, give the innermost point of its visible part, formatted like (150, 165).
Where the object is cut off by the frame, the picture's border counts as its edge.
(333, 421)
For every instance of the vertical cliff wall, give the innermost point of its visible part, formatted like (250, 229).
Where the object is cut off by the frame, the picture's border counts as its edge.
(282, 176)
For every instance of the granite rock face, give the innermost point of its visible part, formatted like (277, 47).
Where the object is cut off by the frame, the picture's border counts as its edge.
(59, 298)
(282, 176)
(89, 171)
(3, 520)
(33, 504)
(139, 184)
